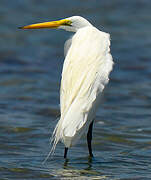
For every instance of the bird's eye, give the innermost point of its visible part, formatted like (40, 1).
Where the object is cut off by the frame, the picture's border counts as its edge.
(67, 23)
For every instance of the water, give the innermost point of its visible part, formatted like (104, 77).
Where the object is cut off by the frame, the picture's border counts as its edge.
(30, 69)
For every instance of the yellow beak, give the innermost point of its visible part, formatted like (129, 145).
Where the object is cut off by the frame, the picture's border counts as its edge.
(52, 24)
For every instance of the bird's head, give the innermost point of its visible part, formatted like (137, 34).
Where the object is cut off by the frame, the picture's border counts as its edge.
(69, 24)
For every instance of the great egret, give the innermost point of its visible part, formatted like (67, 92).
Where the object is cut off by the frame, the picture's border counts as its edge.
(86, 68)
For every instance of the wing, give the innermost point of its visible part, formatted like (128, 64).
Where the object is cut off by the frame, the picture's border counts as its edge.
(85, 72)
(87, 58)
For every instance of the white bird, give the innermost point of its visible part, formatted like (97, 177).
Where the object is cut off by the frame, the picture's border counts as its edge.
(85, 73)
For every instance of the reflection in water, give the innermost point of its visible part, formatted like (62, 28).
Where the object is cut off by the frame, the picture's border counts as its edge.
(65, 166)
(89, 163)
(70, 171)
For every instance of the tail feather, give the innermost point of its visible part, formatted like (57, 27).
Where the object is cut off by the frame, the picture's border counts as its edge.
(70, 127)
(53, 142)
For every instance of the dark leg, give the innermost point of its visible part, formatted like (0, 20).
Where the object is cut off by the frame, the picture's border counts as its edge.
(89, 139)
(65, 152)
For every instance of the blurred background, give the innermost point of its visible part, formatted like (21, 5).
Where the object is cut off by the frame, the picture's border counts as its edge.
(30, 71)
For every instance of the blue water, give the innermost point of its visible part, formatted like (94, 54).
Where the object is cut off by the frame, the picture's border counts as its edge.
(30, 72)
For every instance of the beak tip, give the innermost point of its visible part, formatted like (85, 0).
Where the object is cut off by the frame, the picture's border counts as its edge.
(21, 27)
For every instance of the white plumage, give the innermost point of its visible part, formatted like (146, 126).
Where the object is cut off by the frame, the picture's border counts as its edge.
(86, 69)
(85, 73)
